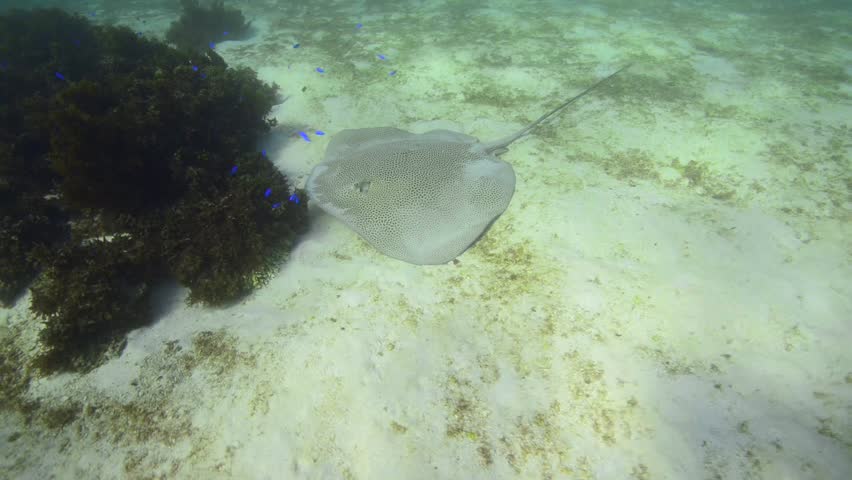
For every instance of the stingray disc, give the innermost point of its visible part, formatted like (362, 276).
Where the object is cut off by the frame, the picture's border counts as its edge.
(421, 198)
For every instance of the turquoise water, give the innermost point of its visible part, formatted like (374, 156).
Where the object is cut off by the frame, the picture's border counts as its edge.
(666, 296)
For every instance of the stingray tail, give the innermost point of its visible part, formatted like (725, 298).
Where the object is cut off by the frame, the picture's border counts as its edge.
(499, 146)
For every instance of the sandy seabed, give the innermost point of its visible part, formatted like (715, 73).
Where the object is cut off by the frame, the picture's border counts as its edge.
(668, 295)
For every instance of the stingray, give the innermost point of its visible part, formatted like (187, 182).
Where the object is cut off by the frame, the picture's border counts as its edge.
(420, 198)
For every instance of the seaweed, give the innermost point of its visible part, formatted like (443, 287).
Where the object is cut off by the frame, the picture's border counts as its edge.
(199, 27)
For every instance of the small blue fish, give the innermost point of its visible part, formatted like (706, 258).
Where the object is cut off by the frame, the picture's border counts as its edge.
(60, 76)
(276, 205)
(319, 132)
(295, 199)
(295, 45)
(195, 68)
(263, 152)
(382, 57)
(320, 70)
(233, 170)
(91, 14)
(139, 34)
(76, 42)
(212, 45)
(305, 137)
(359, 25)
(203, 75)
(225, 33)
(267, 193)
(392, 73)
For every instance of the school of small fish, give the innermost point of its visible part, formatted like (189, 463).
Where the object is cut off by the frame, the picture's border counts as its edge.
(294, 198)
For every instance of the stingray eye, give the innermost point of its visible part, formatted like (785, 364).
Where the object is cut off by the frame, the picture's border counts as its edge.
(363, 186)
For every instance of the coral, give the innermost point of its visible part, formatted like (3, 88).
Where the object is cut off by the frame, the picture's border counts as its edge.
(21, 231)
(124, 161)
(152, 130)
(87, 295)
(223, 244)
(197, 26)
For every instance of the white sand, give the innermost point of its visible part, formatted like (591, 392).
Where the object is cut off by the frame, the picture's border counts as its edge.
(627, 317)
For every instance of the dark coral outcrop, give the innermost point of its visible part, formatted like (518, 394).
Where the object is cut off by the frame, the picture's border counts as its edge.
(124, 161)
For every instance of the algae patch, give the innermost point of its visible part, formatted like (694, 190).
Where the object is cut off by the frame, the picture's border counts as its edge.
(154, 413)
